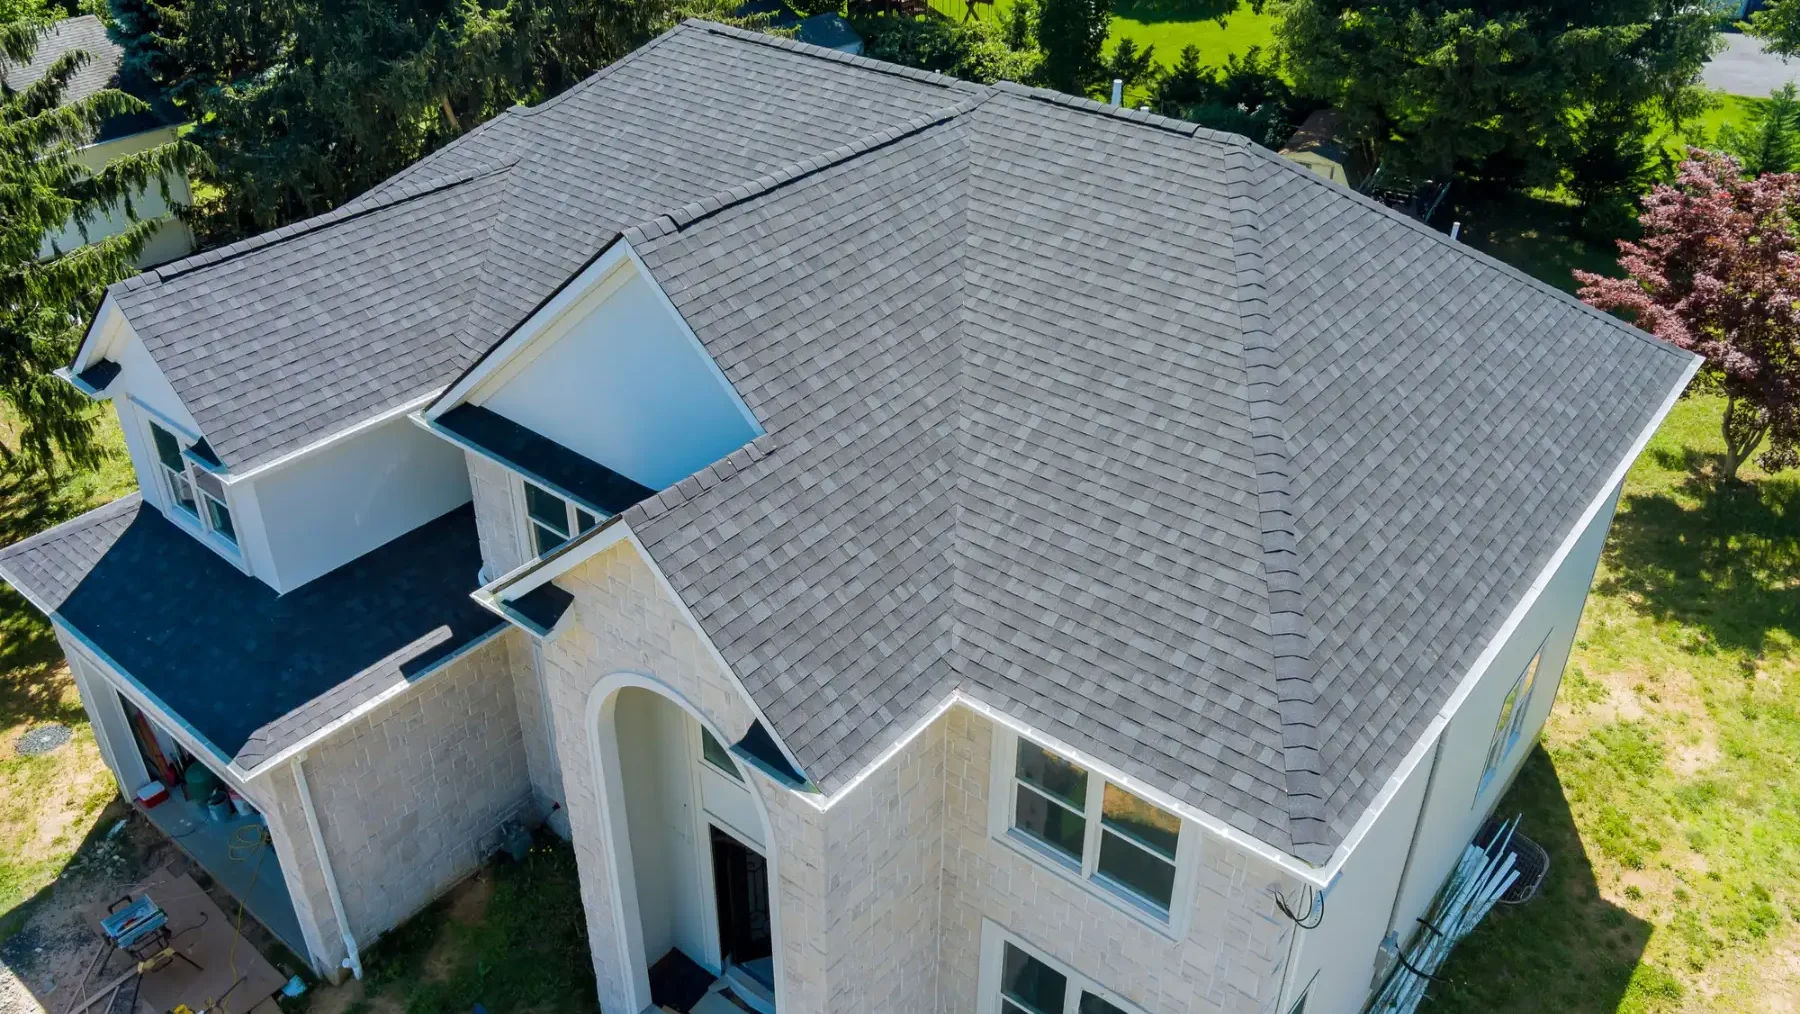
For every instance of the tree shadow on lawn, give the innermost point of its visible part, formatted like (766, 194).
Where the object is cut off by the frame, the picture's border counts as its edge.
(1151, 12)
(31, 678)
(1568, 949)
(1724, 558)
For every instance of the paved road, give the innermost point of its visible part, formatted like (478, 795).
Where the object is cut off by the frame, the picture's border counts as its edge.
(1742, 68)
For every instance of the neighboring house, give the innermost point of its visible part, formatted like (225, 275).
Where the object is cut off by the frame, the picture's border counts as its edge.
(121, 135)
(931, 547)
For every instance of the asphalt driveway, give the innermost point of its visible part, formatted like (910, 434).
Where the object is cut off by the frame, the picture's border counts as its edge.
(1742, 68)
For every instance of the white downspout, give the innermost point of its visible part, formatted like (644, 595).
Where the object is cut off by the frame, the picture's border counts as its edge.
(354, 959)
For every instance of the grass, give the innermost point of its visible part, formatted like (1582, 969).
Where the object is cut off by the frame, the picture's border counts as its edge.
(1664, 784)
(48, 803)
(512, 939)
(1221, 28)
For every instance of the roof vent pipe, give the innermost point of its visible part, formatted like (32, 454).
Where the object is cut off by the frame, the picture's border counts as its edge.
(1118, 92)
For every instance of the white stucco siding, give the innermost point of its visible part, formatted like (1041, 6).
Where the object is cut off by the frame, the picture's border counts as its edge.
(622, 382)
(172, 238)
(1454, 811)
(331, 506)
(141, 394)
(1231, 958)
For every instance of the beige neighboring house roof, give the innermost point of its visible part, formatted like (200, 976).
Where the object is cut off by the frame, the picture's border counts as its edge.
(1316, 147)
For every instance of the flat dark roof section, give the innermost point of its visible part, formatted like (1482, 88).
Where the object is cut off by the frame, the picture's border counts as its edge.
(540, 607)
(98, 377)
(249, 670)
(542, 460)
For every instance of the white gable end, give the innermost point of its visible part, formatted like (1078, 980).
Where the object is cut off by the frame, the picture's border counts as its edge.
(619, 378)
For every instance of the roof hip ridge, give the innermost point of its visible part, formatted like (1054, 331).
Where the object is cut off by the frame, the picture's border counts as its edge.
(1290, 632)
(677, 219)
(349, 211)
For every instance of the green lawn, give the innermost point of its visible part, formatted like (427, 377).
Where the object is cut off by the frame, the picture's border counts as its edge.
(512, 939)
(1664, 788)
(1220, 28)
(48, 803)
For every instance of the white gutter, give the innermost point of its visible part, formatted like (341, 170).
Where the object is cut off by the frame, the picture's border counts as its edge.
(353, 960)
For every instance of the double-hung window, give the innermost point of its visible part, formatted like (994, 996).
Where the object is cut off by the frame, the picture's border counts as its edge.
(1093, 827)
(1029, 982)
(552, 520)
(194, 491)
(1509, 725)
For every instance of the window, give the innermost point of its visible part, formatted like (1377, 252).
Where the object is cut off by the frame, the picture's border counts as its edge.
(553, 520)
(1027, 982)
(1092, 826)
(194, 491)
(1510, 724)
(717, 755)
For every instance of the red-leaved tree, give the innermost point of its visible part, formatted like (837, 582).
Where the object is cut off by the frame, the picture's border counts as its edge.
(1717, 272)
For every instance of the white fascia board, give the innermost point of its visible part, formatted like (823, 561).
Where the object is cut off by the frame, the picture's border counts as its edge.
(326, 442)
(1428, 740)
(105, 326)
(513, 352)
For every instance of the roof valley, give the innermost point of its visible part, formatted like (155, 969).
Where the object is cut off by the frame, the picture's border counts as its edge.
(1290, 633)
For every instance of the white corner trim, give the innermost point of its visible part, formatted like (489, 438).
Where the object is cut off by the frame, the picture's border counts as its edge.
(598, 279)
(352, 431)
(1428, 740)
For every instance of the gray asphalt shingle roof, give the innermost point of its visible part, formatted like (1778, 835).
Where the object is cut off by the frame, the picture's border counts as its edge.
(1127, 427)
(85, 33)
(1132, 430)
(250, 670)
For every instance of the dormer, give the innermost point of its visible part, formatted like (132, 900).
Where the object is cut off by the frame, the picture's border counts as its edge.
(599, 399)
(285, 521)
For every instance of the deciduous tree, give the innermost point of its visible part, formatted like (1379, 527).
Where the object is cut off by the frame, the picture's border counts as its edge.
(1717, 272)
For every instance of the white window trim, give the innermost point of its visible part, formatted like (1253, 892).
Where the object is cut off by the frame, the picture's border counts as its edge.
(527, 525)
(198, 523)
(1500, 753)
(1188, 847)
(995, 937)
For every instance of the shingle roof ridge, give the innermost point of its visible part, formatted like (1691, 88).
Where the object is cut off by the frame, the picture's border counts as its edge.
(677, 219)
(1290, 632)
(348, 212)
(103, 513)
(834, 56)
(1543, 287)
(690, 488)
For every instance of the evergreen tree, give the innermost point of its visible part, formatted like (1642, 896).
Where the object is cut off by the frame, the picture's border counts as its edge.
(1130, 64)
(1072, 34)
(140, 28)
(46, 301)
(1503, 84)
(1770, 141)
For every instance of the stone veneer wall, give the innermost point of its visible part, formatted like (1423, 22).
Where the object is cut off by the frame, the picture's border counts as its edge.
(501, 533)
(1231, 961)
(409, 797)
(881, 896)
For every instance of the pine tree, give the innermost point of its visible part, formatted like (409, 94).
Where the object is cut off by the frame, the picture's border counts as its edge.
(1770, 141)
(46, 301)
(141, 28)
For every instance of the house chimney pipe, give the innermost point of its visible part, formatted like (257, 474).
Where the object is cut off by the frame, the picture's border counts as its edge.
(1118, 91)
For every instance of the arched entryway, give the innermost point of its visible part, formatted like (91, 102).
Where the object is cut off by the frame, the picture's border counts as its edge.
(694, 871)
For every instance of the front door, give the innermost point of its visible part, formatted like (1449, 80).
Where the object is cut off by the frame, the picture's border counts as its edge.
(741, 884)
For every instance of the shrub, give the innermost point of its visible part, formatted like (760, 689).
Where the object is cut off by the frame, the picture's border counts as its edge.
(972, 50)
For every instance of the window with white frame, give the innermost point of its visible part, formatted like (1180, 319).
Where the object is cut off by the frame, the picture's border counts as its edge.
(716, 754)
(194, 491)
(1509, 725)
(1023, 980)
(1093, 827)
(551, 519)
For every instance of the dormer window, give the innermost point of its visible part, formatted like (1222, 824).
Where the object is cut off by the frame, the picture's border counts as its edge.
(553, 520)
(194, 491)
